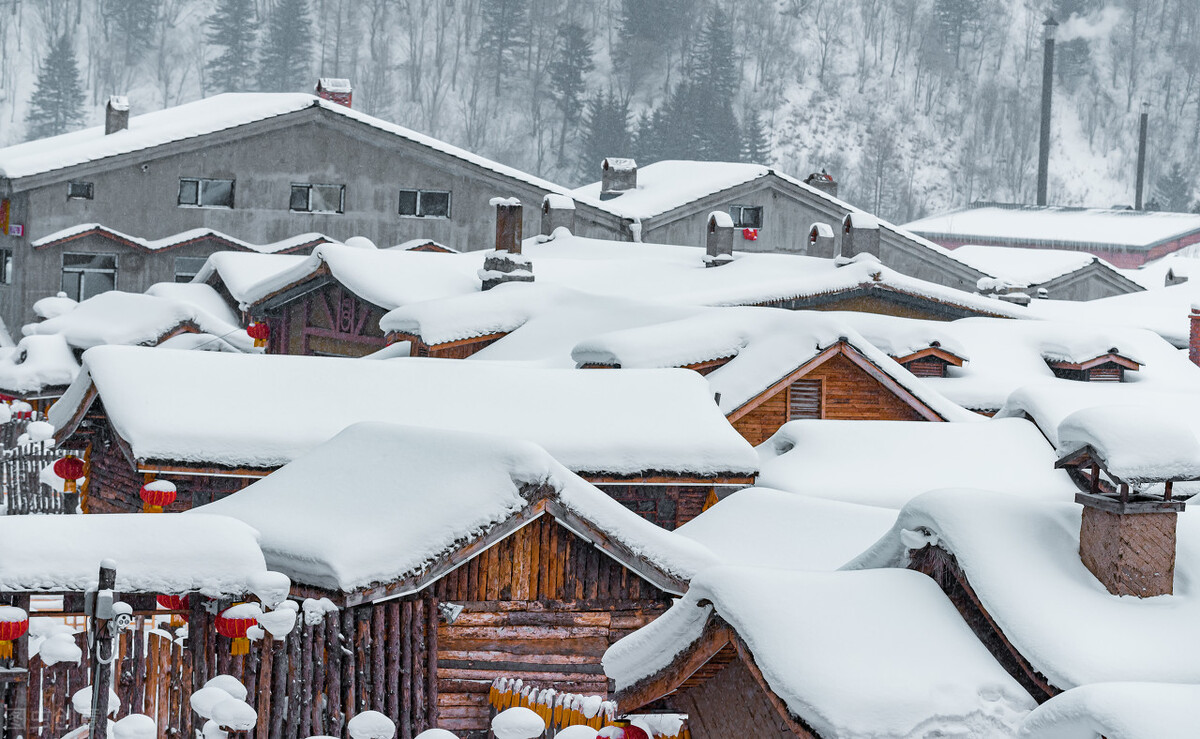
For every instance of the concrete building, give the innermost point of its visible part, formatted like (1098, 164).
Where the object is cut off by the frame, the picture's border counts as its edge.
(259, 167)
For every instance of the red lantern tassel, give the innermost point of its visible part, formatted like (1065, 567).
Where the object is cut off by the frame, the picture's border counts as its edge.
(241, 645)
(6, 650)
(147, 508)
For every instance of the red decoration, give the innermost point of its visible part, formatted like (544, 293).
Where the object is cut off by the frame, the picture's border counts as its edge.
(235, 628)
(157, 494)
(70, 468)
(14, 622)
(175, 603)
(749, 234)
(634, 732)
(260, 332)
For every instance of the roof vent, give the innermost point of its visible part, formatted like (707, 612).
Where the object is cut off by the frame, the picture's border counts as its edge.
(116, 114)
(618, 175)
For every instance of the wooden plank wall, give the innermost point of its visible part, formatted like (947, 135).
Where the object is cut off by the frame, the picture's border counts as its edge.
(731, 703)
(542, 605)
(850, 394)
(669, 506)
(115, 485)
(331, 321)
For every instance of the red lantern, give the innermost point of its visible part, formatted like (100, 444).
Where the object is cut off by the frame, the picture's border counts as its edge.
(70, 468)
(750, 234)
(234, 622)
(14, 622)
(260, 332)
(175, 603)
(157, 494)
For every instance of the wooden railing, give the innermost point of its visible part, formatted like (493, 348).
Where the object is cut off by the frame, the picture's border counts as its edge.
(21, 489)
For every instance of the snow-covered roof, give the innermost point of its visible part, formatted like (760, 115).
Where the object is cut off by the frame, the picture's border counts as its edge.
(1025, 267)
(1131, 230)
(116, 317)
(761, 527)
(907, 458)
(36, 363)
(1163, 310)
(240, 272)
(1021, 558)
(180, 239)
(206, 116)
(1136, 443)
(852, 654)
(766, 345)
(263, 411)
(335, 84)
(381, 503)
(1117, 711)
(200, 296)
(170, 554)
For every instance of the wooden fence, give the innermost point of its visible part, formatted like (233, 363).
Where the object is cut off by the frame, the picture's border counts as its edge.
(21, 489)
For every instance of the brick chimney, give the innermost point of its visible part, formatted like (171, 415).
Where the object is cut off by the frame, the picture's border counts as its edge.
(718, 239)
(618, 176)
(116, 114)
(1194, 336)
(823, 182)
(821, 241)
(506, 263)
(558, 211)
(860, 235)
(335, 90)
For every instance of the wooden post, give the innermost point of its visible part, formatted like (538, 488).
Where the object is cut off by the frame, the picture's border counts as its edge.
(406, 642)
(279, 676)
(103, 653)
(394, 637)
(378, 679)
(431, 661)
(335, 716)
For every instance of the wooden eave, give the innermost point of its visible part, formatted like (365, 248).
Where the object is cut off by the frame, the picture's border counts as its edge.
(718, 646)
(660, 477)
(543, 502)
(317, 279)
(161, 467)
(1088, 456)
(932, 351)
(890, 293)
(1096, 361)
(709, 364)
(842, 348)
(398, 336)
(72, 425)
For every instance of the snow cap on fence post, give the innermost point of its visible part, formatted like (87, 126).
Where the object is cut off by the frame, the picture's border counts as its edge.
(518, 723)
(371, 725)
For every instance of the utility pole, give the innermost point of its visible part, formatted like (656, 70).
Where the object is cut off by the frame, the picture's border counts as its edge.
(107, 620)
(1141, 162)
(1049, 29)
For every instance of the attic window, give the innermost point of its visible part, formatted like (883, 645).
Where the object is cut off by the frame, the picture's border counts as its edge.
(318, 198)
(205, 193)
(927, 367)
(1096, 371)
(425, 203)
(804, 399)
(79, 191)
(188, 267)
(86, 275)
(746, 216)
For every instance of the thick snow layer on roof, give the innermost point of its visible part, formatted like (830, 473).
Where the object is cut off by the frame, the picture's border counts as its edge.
(1182, 263)
(1125, 228)
(239, 272)
(54, 305)
(1117, 711)
(37, 362)
(213, 555)
(766, 345)
(762, 527)
(1138, 443)
(199, 295)
(899, 337)
(266, 410)
(380, 502)
(853, 654)
(116, 317)
(1021, 557)
(1024, 267)
(1163, 310)
(668, 184)
(182, 237)
(1006, 355)
(908, 458)
(205, 116)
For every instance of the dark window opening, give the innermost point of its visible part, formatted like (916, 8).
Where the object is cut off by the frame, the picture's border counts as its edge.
(746, 216)
(318, 198)
(804, 399)
(206, 193)
(6, 266)
(425, 203)
(80, 190)
(188, 267)
(87, 275)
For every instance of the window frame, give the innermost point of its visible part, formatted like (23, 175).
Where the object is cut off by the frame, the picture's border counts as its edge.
(6, 266)
(420, 209)
(200, 187)
(738, 218)
(81, 271)
(189, 275)
(89, 187)
(309, 186)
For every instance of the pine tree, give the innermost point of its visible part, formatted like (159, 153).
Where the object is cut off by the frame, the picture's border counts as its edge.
(57, 104)
(1174, 190)
(284, 65)
(504, 29)
(605, 132)
(232, 26)
(572, 62)
(132, 24)
(756, 147)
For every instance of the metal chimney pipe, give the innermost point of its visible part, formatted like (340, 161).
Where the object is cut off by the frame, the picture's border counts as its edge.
(1049, 29)
(1141, 162)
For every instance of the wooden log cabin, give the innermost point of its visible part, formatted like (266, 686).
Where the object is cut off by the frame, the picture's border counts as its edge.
(783, 654)
(212, 422)
(457, 558)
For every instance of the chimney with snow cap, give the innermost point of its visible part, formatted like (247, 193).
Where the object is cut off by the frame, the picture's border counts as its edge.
(506, 264)
(335, 90)
(860, 235)
(558, 211)
(116, 114)
(822, 181)
(821, 241)
(718, 239)
(618, 176)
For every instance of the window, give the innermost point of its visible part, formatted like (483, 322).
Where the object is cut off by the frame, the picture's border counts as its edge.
(804, 399)
(87, 275)
(201, 193)
(746, 216)
(425, 203)
(79, 191)
(6, 266)
(318, 198)
(188, 267)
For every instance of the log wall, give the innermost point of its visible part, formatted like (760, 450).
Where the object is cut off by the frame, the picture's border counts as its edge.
(330, 321)
(732, 703)
(669, 506)
(542, 605)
